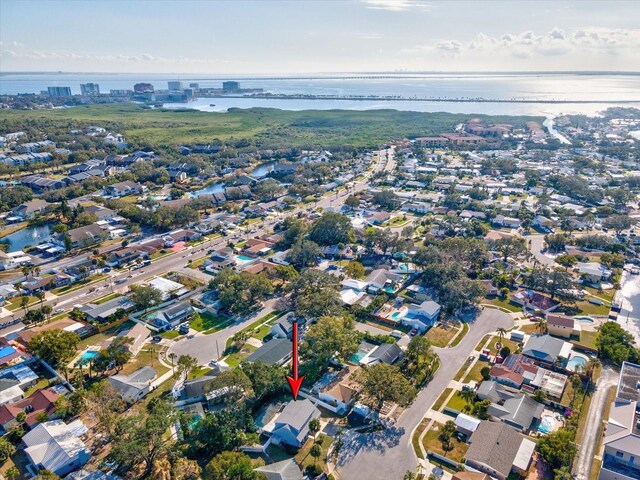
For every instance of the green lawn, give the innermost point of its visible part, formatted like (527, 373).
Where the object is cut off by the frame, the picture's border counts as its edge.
(588, 308)
(13, 304)
(267, 128)
(441, 335)
(432, 444)
(196, 264)
(482, 342)
(474, 373)
(457, 402)
(458, 339)
(506, 304)
(304, 460)
(147, 357)
(441, 399)
(587, 338)
(171, 334)
(236, 358)
(205, 321)
(107, 298)
(604, 294)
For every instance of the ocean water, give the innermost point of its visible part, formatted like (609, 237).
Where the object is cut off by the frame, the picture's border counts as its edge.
(606, 88)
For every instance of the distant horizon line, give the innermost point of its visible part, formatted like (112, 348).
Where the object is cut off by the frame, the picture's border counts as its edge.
(343, 73)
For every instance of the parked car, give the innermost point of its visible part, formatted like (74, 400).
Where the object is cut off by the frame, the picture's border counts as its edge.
(396, 334)
(413, 332)
(184, 329)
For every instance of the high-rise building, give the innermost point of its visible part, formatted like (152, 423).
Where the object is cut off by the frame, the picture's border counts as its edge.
(59, 91)
(230, 87)
(90, 89)
(143, 88)
(174, 85)
(195, 86)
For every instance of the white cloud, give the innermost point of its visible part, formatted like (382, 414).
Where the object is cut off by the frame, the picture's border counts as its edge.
(528, 44)
(396, 5)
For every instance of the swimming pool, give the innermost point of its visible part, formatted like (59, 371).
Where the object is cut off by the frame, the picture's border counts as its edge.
(395, 315)
(577, 362)
(583, 319)
(547, 422)
(87, 356)
(244, 258)
(356, 357)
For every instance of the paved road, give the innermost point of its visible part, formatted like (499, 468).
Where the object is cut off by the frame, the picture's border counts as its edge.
(388, 454)
(587, 449)
(536, 246)
(211, 347)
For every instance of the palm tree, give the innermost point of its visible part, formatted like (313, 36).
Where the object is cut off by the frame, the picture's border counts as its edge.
(501, 333)
(172, 357)
(541, 324)
(24, 302)
(468, 396)
(40, 296)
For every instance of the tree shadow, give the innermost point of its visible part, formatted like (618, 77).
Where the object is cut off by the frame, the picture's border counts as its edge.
(379, 441)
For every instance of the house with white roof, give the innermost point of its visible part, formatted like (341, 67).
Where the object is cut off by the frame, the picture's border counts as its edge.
(56, 446)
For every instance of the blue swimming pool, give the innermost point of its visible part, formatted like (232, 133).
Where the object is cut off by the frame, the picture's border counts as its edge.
(546, 424)
(244, 258)
(576, 362)
(395, 315)
(87, 356)
(356, 357)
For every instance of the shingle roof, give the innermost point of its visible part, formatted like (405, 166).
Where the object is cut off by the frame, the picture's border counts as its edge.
(495, 445)
(272, 352)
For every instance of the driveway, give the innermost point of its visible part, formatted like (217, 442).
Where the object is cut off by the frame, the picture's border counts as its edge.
(388, 454)
(587, 449)
(205, 348)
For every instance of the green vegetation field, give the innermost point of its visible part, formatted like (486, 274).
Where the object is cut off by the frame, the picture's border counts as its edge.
(265, 127)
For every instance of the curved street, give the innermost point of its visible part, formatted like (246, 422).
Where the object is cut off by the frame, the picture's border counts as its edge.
(389, 453)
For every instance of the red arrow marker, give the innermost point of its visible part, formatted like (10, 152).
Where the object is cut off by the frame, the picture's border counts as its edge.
(295, 382)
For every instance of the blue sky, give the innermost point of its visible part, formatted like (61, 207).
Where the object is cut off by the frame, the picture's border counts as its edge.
(317, 36)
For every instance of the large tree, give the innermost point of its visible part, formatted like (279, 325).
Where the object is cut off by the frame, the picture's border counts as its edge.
(231, 466)
(315, 293)
(332, 228)
(304, 254)
(142, 438)
(56, 347)
(385, 383)
(241, 292)
(617, 222)
(616, 345)
(330, 337)
(145, 296)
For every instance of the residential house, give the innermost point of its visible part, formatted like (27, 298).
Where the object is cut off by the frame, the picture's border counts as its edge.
(274, 352)
(122, 189)
(101, 312)
(497, 450)
(468, 475)
(338, 390)
(41, 402)
(125, 256)
(535, 301)
(22, 373)
(283, 327)
(139, 333)
(10, 391)
(30, 209)
(593, 272)
(622, 432)
(388, 353)
(103, 213)
(56, 447)
(546, 350)
(134, 387)
(282, 470)
(171, 316)
(84, 236)
(508, 222)
(291, 427)
(562, 326)
(422, 316)
(518, 371)
(381, 279)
